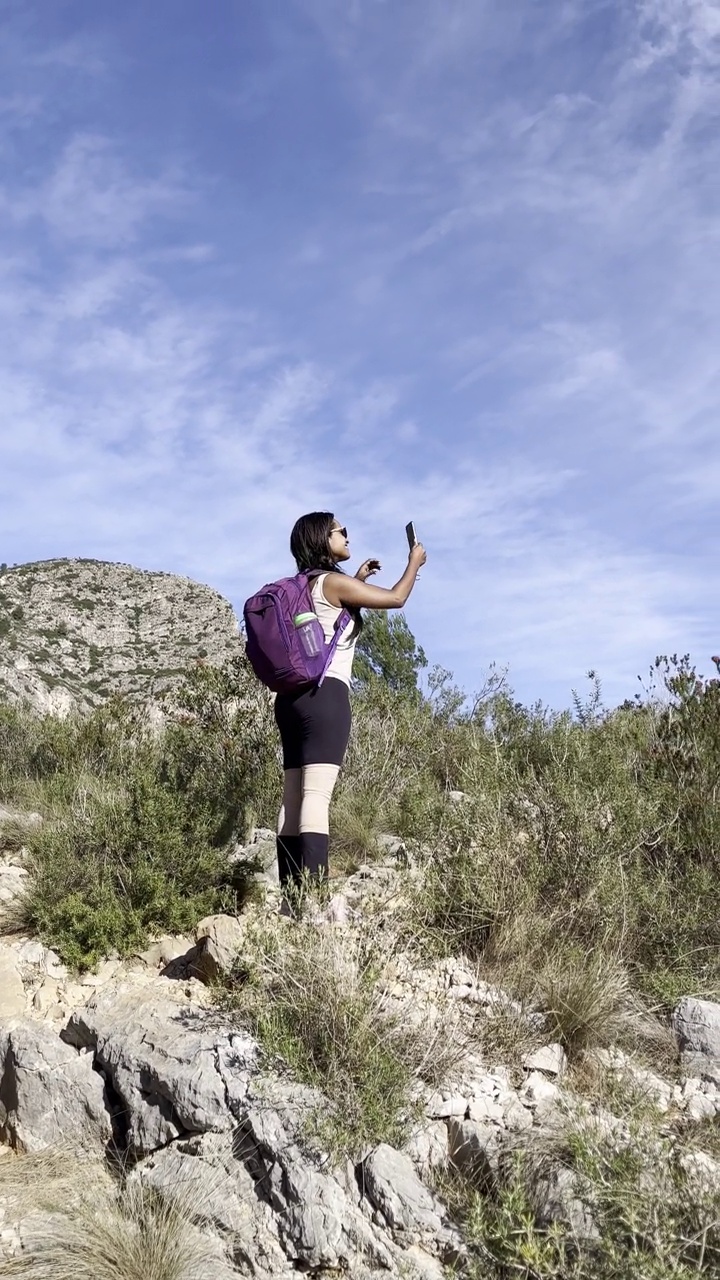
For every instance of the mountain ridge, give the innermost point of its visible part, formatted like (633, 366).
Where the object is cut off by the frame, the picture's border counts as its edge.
(74, 631)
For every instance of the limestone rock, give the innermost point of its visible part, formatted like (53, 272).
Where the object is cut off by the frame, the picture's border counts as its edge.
(473, 1151)
(539, 1092)
(697, 1026)
(701, 1107)
(699, 1066)
(318, 1220)
(13, 882)
(556, 1198)
(551, 1059)
(702, 1172)
(47, 999)
(219, 939)
(517, 1118)
(207, 1175)
(393, 1187)
(427, 1146)
(12, 991)
(172, 1071)
(49, 1093)
(33, 955)
(485, 1110)
(441, 1108)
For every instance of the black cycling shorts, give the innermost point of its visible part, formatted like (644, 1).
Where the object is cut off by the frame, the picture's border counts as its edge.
(314, 724)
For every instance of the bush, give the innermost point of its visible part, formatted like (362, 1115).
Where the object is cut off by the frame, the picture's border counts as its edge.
(138, 822)
(630, 1210)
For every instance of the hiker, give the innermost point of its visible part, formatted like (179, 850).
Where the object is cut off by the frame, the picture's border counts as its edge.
(314, 722)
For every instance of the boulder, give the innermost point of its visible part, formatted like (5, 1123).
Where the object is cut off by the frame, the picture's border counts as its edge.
(442, 1108)
(206, 1174)
(702, 1173)
(219, 939)
(49, 1093)
(171, 1070)
(555, 1196)
(427, 1146)
(697, 1066)
(13, 882)
(697, 1026)
(33, 955)
(539, 1092)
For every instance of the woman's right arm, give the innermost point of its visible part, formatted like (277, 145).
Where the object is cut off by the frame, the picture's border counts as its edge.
(345, 592)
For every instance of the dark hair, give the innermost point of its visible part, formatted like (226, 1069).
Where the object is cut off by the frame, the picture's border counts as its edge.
(310, 546)
(310, 541)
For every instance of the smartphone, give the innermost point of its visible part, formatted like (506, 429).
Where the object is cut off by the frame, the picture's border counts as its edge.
(411, 534)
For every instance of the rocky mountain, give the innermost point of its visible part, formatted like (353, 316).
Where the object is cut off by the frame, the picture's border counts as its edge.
(73, 632)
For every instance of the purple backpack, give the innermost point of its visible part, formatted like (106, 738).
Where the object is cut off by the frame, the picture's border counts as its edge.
(274, 648)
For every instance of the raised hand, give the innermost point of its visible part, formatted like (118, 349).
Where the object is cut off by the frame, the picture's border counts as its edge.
(418, 555)
(367, 569)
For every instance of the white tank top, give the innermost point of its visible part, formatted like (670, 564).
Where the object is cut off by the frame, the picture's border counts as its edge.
(342, 660)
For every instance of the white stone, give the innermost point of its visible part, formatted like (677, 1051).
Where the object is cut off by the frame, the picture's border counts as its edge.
(702, 1172)
(440, 1108)
(485, 1110)
(219, 940)
(700, 1107)
(54, 1097)
(12, 883)
(46, 999)
(538, 1091)
(31, 953)
(697, 1026)
(428, 1146)
(103, 974)
(551, 1059)
(12, 991)
(517, 1117)
(391, 1183)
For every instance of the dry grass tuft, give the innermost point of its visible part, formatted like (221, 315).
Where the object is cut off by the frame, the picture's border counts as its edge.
(586, 996)
(315, 999)
(79, 1224)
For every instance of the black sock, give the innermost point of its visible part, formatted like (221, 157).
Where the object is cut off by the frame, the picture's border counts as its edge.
(289, 856)
(314, 854)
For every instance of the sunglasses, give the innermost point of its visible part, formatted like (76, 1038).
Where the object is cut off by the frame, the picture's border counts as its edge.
(343, 531)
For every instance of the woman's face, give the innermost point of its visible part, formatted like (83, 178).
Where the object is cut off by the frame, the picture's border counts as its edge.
(338, 542)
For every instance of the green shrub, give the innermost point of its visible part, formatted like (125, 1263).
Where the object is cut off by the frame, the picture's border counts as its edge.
(644, 1218)
(138, 822)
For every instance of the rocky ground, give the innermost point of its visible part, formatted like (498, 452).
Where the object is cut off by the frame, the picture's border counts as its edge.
(137, 1058)
(74, 632)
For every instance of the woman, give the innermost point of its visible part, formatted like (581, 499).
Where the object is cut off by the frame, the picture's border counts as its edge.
(314, 723)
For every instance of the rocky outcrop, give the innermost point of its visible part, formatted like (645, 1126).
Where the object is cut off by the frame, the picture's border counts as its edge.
(137, 1055)
(73, 632)
(50, 1094)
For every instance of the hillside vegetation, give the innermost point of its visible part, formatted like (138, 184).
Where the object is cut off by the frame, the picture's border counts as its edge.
(591, 837)
(573, 858)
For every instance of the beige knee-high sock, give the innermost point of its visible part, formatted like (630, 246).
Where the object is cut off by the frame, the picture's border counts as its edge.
(318, 782)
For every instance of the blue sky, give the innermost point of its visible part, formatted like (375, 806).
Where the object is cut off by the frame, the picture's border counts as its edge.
(449, 260)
